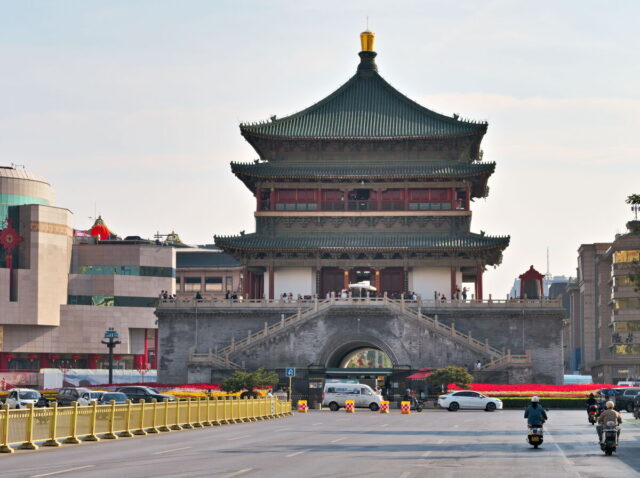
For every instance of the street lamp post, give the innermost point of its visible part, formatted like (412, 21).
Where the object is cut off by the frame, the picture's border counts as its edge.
(111, 335)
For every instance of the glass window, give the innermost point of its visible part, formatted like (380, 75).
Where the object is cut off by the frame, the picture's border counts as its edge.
(626, 349)
(146, 271)
(626, 326)
(213, 284)
(229, 283)
(622, 281)
(627, 303)
(192, 284)
(626, 256)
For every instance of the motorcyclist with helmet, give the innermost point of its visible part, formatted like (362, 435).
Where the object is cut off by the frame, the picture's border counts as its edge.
(609, 415)
(535, 413)
(592, 405)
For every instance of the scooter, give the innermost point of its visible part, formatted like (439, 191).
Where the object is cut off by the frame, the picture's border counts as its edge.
(535, 437)
(609, 441)
(593, 414)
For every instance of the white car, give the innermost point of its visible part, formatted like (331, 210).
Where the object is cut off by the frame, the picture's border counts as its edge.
(21, 397)
(468, 400)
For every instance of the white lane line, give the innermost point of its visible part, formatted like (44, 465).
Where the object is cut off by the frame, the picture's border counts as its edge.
(64, 471)
(441, 441)
(169, 451)
(384, 425)
(291, 455)
(316, 424)
(238, 438)
(406, 474)
(338, 440)
(282, 429)
(239, 472)
(427, 453)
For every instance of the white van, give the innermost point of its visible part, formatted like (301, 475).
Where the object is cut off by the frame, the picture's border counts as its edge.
(335, 394)
(21, 397)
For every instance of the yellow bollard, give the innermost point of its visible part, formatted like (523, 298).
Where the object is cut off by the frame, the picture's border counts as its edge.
(28, 433)
(187, 425)
(72, 438)
(176, 425)
(53, 425)
(207, 403)
(140, 430)
(349, 406)
(165, 426)
(5, 448)
(92, 424)
(154, 411)
(110, 435)
(384, 406)
(302, 406)
(198, 422)
(127, 422)
(405, 408)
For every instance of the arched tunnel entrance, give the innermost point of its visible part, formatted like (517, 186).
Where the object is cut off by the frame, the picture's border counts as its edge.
(360, 362)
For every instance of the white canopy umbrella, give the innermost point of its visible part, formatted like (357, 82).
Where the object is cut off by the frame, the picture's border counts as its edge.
(362, 285)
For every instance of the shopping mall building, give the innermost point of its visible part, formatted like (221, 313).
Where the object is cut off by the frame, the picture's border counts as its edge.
(60, 289)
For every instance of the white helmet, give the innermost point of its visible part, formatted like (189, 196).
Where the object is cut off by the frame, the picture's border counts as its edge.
(535, 399)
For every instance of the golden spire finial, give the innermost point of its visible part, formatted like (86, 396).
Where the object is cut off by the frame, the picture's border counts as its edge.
(367, 39)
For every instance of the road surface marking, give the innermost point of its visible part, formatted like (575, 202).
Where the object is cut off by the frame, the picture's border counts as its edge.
(384, 425)
(239, 472)
(406, 474)
(315, 424)
(338, 439)
(427, 453)
(297, 453)
(441, 441)
(282, 429)
(64, 471)
(169, 451)
(238, 438)
(456, 426)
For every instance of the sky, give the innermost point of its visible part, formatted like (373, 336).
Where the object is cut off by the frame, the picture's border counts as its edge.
(131, 109)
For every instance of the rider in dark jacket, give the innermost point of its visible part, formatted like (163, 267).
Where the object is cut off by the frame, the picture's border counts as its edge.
(535, 413)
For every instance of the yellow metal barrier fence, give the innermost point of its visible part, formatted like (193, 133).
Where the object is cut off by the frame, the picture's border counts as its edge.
(56, 425)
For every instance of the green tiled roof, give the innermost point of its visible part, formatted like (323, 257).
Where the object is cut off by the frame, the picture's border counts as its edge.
(371, 170)
(364, 241)
(365, 107)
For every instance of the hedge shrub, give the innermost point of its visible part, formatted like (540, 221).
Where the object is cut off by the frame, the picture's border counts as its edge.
(551, 403)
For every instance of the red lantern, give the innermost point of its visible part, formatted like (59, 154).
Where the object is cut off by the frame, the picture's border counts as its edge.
(117, 357)
(100, 230)
(54, 356)
(9, 356)
(76, 357)
(32, 356)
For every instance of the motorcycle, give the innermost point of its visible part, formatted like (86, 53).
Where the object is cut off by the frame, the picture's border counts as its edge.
(416, 405)
(535, 437)
(609, 440)
(593, 414)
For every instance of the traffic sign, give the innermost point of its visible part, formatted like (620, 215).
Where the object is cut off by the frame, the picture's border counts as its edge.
(290, 372)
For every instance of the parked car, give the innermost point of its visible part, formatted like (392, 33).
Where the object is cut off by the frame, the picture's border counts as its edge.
(624, 401)
(636, 407)
(334, 396)
(118, 397)
(21, 397)
(468, 400)
(88, 397)
(67, 395)
(144, 394)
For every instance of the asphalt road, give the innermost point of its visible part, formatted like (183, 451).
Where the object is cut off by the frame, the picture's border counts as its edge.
(323, 443)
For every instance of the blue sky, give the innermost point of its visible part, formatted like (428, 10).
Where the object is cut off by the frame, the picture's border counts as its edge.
(134, 106)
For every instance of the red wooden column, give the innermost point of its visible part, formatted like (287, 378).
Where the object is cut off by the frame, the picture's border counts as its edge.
(479, 272)
(346, 279)
(92, 361)
(272, 286)
(377, 282)
(318, 199)
(406, 199)
(453, 282)
(245, 282)
(272, 199)
(146, 346)
(346, 199)
(468, 199)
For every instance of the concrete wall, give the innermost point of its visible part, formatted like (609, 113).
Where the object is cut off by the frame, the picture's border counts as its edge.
(297, 280)
(325, 340)
(426, 280)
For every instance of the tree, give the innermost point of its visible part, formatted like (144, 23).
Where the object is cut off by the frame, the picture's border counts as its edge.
(451, 374)
(634, 201)
(247, 382)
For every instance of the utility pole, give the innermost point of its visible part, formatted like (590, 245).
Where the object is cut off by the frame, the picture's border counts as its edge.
(112, 335)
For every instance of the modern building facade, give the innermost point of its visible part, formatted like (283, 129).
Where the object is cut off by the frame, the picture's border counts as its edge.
(59, 291)
(605, 309)
(365, 186)
(207, 271)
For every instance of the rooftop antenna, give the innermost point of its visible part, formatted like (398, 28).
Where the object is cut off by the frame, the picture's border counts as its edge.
(367, 22)
(548, 274)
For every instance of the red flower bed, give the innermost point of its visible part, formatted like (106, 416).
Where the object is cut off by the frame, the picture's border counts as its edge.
(537, 387)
